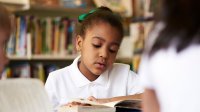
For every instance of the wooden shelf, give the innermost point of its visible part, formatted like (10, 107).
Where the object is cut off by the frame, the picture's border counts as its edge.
(53, 57)
(15, 2)
(14, 5)
(53, 11)
(43, 57)
(19, 58)
(58, 57)
(142, 19)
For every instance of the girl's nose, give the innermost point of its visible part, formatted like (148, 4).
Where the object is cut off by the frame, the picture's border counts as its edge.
(104, 53)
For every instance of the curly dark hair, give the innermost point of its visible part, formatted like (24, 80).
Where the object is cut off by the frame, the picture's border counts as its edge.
(182, 23)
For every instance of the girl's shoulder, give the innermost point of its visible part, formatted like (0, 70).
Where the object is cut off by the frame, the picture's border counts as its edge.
(120, 68)
(121, 72)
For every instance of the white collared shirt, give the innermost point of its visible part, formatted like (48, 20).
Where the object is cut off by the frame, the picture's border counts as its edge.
(69, 83)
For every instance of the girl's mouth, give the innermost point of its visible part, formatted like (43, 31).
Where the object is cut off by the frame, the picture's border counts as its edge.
(100, 65)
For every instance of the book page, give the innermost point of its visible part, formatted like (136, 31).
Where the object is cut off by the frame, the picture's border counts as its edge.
(110, 104)
(93, 108)
(105, 107)
(23, 95)
(85, 101)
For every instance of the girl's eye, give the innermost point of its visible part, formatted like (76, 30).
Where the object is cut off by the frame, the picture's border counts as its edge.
(96, 45)
(113, 51)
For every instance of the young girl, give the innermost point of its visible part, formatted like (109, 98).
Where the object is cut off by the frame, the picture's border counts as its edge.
(170, 66)
(93, 75)
(5, 30)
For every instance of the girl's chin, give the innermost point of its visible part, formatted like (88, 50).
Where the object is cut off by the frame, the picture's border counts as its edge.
(98, 72)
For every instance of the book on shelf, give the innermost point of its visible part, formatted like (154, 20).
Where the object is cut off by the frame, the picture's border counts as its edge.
(41, 36)
(22, 70)
(27, 70)
(41, 71)
(115, 5)
(38, 72)
(116, 106)
(63, 36)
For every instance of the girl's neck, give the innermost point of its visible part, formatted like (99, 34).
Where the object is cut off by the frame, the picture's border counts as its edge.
(86, 72)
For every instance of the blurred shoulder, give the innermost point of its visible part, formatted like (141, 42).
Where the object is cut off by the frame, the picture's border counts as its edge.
(121, 66)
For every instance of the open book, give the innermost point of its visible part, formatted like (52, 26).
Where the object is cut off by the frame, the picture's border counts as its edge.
(117, 106)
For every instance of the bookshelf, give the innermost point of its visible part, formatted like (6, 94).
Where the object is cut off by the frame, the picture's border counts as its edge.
(29, 32)
(58, 57)
(43, 57)
(51, 60)
(52, 11)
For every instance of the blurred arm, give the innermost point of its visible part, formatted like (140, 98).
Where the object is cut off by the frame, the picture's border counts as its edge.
(150, 102)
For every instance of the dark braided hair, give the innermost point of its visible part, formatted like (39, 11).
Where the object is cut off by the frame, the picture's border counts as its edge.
(103, 14)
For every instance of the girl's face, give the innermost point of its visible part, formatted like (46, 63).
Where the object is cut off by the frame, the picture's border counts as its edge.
(98, 49)
(3, 58)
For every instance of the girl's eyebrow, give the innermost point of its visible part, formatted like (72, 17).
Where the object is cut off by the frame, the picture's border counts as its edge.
(100, 38)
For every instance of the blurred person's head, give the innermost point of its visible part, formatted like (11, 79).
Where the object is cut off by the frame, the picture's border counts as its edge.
(182, 24)
(5, 30)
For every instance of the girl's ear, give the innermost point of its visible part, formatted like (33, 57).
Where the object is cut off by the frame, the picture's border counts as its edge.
(79, 42)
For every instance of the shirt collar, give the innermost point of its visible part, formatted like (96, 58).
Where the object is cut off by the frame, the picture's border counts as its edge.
(80, 80)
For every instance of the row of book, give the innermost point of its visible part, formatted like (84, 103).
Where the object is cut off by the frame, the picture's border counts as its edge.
(27, 70)
(65, 3)
(47, 35)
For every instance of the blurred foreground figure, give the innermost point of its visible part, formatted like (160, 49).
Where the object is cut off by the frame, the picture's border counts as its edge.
(170, 65)
(5, 30)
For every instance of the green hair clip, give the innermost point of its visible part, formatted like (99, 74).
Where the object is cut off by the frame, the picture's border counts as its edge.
(83, 16)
